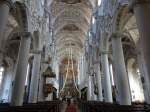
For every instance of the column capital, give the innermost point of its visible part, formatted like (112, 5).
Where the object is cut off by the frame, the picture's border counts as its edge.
(116, 35)
(96, 62)
(8, 2)
(24, 34)
(105, 52)
(134, 3)
(99, 17)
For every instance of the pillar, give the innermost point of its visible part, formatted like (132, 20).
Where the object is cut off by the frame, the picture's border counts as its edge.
(21, 72)
(5, 6)
(57, 77)
(98, 75)
(99, 83)
(41, 96)
(90, 88)
(12, 79)
(144, 76)
(93, 55)
(6, 84)
(40, 93)
(34, 85)
(120, 71)
(141, 10)
(107, 77)
(2, 86)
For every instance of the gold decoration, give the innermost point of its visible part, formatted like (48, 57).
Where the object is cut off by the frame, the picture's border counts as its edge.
(48, 88)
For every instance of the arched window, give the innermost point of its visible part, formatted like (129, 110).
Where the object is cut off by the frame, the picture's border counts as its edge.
(111, 75)
(99, 2)
(1, 74)
(27, 76)
(135, 81)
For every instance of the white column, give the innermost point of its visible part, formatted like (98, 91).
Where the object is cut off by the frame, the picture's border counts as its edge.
(34, 85)
(57, 76)
(91, 69)
(19, 82)
(5, 84)
(80, 70)
(98, 75)
(144, 76)
(120, 71)
(90, 88)
(12, 80)
(41, 84)
(99, 83)
(41, 96)
(141, 10)
(2, 86)
(107, 77)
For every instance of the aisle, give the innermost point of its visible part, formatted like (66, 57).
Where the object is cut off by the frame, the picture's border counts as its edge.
(71, 108)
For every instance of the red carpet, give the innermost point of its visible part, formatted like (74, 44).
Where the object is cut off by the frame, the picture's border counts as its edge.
(71, 108)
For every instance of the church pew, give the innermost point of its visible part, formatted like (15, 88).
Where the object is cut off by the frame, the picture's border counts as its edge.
(53, 106)
(95, 106)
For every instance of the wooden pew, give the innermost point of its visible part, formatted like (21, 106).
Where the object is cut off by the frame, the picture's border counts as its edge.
(95, 106)
(53, 106)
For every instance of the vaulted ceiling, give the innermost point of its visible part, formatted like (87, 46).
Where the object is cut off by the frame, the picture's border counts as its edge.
(70, 20)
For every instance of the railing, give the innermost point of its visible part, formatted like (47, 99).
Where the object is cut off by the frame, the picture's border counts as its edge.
(53, 106)
(95, 106)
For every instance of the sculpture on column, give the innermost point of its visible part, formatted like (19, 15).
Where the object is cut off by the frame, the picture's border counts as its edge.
(48, 87)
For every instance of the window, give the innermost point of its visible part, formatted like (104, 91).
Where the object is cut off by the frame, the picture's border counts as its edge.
(27, 76)
(99, 2)
(93, 20)
(111, 75)
(1, 74)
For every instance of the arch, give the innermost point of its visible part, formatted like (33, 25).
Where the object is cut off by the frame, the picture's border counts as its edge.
(76, 13)
(21, 16)
(62, 53)
(120, 19)
(65, 40)
(119, 15)
(83, 8)
(135, 81)
(77, 35)
(63, 22)
(12, 46)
